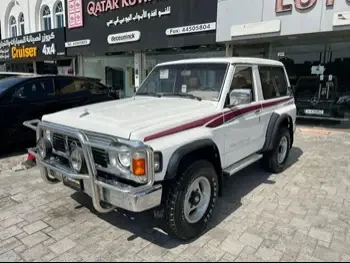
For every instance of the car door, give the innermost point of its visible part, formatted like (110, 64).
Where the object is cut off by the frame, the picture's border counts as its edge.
(242, 121)
(29, 101)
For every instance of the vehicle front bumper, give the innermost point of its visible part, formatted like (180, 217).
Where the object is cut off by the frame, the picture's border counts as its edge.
(115, 194)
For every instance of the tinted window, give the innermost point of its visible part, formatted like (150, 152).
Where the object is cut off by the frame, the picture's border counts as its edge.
(242, 86)
(273, 81)
(36, 89)
(95, 87)
(69, 85)
(8, 83)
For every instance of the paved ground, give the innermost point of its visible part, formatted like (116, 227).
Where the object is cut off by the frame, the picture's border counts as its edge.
(300, 215)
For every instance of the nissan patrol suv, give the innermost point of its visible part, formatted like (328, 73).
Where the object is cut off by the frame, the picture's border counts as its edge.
(169, 147)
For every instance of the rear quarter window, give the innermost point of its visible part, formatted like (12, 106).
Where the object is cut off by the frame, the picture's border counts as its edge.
(274, 82)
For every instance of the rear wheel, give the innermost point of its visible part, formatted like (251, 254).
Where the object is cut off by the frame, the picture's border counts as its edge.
(191, 200)
(274, 161)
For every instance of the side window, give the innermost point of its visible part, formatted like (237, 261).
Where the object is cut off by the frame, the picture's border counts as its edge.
(95, 87)
(35, 90)
(273, 82)
(242, 86)
(69, 85)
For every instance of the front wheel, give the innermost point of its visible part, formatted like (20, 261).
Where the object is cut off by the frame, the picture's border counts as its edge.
(191, 200)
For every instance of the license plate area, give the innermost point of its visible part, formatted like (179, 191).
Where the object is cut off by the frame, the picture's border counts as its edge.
(314, 112)
(73, 183)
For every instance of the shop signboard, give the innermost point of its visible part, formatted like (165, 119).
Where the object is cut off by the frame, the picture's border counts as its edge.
(130, 25)
(275, 18)
(36, 46)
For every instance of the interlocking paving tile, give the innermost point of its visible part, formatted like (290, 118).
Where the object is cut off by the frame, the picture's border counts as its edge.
(301, 214)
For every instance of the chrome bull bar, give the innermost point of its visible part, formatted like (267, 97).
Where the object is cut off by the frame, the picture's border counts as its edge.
(132, 195)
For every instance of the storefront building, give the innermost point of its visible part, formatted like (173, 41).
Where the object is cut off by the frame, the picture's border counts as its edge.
(311, 37)
(42, 52)
(121, 41)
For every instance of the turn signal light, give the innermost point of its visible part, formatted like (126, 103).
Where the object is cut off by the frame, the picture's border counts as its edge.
(139, 166)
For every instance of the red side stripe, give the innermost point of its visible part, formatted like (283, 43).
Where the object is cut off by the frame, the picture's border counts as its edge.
(183, 127)
(215, 120)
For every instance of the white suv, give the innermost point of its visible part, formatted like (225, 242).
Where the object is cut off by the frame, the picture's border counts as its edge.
(169, 147)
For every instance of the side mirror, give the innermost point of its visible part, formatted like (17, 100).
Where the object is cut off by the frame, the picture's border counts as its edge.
(240, 96)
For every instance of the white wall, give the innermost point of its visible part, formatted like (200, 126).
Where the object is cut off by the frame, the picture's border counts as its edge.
(32, 11)
(301, 17)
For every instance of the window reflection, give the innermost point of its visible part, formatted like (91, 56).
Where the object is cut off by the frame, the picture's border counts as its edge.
(319, 76)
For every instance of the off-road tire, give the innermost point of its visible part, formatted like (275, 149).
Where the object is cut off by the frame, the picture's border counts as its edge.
(269, 161)
(177, 224)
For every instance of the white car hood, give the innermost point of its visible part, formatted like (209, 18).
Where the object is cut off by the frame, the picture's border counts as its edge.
(136, 117)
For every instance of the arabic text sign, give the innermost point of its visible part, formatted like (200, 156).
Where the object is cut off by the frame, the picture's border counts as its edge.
(40, 45)
(75, 14)
(135, 17)
(29, 39)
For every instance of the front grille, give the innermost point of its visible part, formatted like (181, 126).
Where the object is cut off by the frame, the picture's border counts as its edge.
(100, 157)
(58, 141)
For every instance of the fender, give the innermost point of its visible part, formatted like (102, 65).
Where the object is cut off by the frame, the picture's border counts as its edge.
(272, 129)
(182, 151)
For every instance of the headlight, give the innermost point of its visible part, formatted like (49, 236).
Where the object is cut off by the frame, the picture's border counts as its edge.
(124, 157)
(44, 147)
(77, 160)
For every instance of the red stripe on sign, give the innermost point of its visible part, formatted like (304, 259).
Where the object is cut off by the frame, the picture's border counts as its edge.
(215, 120)
(184, 127)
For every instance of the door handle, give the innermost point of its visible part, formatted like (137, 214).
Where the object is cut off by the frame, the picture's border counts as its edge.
(257, 111)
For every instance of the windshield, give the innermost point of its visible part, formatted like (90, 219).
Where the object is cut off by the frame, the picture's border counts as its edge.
(200, 80)
(8, 83)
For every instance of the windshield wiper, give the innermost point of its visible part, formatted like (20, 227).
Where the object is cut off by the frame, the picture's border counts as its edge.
(183, 95)
(154, 94)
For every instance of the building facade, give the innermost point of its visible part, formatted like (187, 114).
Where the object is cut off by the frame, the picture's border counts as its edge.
(121, 41)
(311, 37)
(37, 25)
(20, 17)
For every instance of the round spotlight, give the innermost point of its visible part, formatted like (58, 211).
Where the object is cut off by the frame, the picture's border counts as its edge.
(77, 159)
(44, 147)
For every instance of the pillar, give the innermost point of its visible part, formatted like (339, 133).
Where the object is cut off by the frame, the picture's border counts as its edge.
(138, 69)
(229, 50)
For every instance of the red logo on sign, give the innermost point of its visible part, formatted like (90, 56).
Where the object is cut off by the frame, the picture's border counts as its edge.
(75, 12)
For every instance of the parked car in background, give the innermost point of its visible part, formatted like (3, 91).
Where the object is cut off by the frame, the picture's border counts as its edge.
(31, 96)
(4, 75)
(318, 97)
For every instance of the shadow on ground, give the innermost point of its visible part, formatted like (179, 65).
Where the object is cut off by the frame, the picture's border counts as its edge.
(235, 188)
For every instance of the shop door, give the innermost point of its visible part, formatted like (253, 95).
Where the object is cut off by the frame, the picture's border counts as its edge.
(115, 79)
